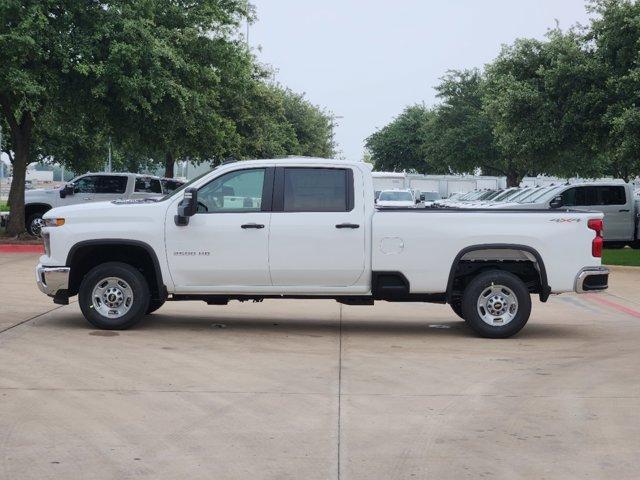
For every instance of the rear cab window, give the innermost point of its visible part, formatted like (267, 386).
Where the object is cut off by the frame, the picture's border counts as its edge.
(311, 189)
(594, 195)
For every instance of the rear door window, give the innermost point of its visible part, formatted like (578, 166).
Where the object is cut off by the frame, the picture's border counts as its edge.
(317, 190)
(611, 195)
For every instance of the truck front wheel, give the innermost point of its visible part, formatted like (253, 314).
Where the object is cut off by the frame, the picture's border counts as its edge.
(114, 296)
(496, 304)
(34, 224)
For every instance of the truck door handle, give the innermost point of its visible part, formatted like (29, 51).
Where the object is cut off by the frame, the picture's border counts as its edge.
(347, 225)
(252, 225)
(623, 210)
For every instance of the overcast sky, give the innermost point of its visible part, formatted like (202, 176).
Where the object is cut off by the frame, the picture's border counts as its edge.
(365, 60)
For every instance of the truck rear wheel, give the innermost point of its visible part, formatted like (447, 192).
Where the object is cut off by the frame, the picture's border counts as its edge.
(114, 296)
(154, 305)
(496, 304)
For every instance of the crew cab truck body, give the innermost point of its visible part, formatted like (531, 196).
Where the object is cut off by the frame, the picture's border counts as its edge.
(308, 228)
(91, 187)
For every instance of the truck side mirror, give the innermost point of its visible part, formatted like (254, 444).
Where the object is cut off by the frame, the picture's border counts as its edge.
(187, 207)
(68, 189)
(556, 202)
(417, 201)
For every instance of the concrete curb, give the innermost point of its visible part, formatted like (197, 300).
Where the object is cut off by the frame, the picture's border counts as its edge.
(19, 248)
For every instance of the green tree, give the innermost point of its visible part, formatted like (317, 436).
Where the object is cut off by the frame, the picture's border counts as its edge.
(312, 125)
(168, 72)
(614, 40)
(460, 135)
(400, 145)
(44, 49)
(131, 67)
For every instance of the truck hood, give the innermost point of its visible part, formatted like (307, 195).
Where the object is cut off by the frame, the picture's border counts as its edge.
(107, 211)
(41, 193)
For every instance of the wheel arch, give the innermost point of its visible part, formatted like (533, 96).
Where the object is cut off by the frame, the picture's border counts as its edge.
(86, 254)
(31, 208)
(491, 249)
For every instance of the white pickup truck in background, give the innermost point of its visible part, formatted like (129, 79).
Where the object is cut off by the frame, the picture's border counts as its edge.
(308, 228)
(92, 187)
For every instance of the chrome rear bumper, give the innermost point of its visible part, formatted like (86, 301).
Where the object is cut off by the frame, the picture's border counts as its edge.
(592, 279)
(52, 280)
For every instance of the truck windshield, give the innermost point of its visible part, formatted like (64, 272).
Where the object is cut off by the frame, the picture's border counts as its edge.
(396, 197)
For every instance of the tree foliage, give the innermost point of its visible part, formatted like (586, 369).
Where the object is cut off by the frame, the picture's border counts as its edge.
(159, 80)
(400, 145)
(566, 105)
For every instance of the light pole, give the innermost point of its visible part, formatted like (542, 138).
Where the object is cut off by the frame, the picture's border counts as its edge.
(109, 154)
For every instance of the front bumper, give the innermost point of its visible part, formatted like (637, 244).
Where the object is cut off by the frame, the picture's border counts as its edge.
(52, 280)
(592, 279)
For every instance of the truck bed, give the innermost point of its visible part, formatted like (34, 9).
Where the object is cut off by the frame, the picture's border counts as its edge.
(560, 237)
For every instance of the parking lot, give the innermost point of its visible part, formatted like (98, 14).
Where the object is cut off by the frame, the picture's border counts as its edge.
(315, 390)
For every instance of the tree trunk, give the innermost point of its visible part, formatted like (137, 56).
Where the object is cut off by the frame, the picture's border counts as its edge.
(16, 224)
(513, 179)
(21, 139)
(169, 163)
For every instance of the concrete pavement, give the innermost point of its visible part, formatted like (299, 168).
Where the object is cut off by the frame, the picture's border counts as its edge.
(313, 390)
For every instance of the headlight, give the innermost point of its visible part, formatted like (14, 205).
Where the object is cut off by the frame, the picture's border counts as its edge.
(53, 222)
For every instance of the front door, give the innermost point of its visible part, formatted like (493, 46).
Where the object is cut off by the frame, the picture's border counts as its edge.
(225, 243)
(317, 228)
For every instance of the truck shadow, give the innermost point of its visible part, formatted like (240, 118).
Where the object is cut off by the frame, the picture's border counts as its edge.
(323, 327)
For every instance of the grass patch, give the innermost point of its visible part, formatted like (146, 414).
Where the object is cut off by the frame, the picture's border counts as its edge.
(3, 207)
(622, 256)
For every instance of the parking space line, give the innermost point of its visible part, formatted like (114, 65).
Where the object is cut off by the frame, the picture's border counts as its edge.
(614, 305)
(32, 318)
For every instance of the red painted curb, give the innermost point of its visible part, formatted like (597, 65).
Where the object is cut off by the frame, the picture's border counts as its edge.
(18, 248)
(614, 305)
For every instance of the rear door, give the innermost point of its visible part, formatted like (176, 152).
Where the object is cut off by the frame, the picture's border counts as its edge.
(317, 236)
(608, 199)
(618, 213)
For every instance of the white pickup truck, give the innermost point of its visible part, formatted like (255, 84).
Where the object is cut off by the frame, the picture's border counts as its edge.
(90, 187)
(308, 228)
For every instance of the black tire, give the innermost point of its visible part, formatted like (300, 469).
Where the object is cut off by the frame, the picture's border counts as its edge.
(135, 281)
(635, 245)
(154, 305)
(30, 224)
(479, 286)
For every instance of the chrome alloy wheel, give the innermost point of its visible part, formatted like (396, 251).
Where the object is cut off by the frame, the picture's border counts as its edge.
(36, 226)
(497, 305)
(112, 297)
